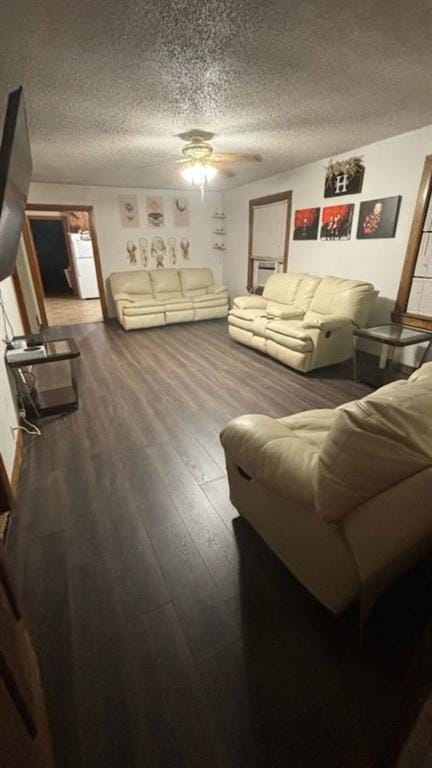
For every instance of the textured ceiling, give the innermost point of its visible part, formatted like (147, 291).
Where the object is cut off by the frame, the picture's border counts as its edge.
(109, 83)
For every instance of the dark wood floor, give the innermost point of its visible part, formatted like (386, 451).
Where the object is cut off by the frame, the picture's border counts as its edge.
(168, 634)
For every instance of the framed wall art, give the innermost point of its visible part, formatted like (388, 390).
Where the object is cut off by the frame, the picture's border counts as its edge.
(306, 221)
(336, 221)
(344, 177)
(181, 216)
(129, 213)
(378, 218)
(155, 211)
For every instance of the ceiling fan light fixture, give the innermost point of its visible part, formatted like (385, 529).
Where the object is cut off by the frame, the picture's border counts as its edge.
(198, 173)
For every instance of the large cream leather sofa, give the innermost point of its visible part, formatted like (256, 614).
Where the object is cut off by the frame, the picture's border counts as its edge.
(302, 320)
(146, 298)
(342, 496)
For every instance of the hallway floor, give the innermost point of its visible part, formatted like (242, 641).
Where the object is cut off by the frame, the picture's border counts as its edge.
(70, 310)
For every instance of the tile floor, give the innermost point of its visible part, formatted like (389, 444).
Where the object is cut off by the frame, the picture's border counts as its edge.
(69, 310)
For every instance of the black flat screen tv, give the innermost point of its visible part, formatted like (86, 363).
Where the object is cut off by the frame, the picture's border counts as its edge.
(15, 177)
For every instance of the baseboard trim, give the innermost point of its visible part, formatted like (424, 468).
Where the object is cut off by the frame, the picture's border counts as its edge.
(16, 467)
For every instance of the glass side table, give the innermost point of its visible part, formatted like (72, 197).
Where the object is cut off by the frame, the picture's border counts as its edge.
(392, 338)
(51, 401)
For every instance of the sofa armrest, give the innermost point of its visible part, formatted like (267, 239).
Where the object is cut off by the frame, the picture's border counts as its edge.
(270, 453)
(249, 302)
(217, 289)
(327, 323)
(121, 296)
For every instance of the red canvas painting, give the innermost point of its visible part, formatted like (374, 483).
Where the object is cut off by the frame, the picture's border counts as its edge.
(306, 224)
(336, 222)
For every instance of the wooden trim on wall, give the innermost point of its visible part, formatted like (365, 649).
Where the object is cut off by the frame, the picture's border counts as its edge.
(277, 197)
(72, 272)
(400, 314)
(35, 270)
(92, 226)
(7, 501)
(97, 259)
(21, 303)
(19, 448)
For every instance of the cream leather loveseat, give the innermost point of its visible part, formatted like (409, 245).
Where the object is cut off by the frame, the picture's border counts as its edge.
(302, 320)
(342, 496)
(145, 298)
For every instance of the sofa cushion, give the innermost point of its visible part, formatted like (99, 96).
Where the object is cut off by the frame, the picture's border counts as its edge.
(131, 310)
(166, 283)
(131, 282)
(284, 311)
(374, 444)
(246, 314)
(249, 302)
(282, 287)
(212, 299)
(194, 282)
(339, 296)
(289, 342)
(174, 305)
(292, 328)
(306, 291)
(138, 300)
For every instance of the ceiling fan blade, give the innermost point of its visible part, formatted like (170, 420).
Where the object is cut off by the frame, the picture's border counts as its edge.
(235, 157)
(227, 172)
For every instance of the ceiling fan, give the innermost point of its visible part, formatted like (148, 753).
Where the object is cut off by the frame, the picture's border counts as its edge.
(199, 164)
(200, 160)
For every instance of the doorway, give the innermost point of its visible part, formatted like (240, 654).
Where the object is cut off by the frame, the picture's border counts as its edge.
(64, 260)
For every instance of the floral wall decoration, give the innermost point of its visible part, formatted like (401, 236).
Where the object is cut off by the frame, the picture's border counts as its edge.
(344, 177)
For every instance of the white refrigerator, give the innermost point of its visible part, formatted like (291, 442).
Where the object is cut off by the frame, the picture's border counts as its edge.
(85, 270)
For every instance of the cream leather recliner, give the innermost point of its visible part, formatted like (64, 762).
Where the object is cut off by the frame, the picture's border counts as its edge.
(147, 298)
(342, 496)
(304, 321)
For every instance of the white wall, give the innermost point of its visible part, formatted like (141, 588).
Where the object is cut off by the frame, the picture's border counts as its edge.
(393, 167)
(112, 237)
(8, 413)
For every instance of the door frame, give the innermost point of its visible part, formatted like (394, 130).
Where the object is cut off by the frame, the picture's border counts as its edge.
(33, 260)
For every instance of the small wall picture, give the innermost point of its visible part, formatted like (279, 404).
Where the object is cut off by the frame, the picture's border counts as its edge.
(131, 252)
(185, 248)
(143, 246)
(172, 250)
(306, 222)
(158, 251)
(378, 218)
(129, 213)
(344, 177)
(155, 211)
(181, 212)
(336, 221)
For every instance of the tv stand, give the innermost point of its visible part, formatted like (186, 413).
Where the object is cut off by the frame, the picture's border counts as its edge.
(51, 401)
